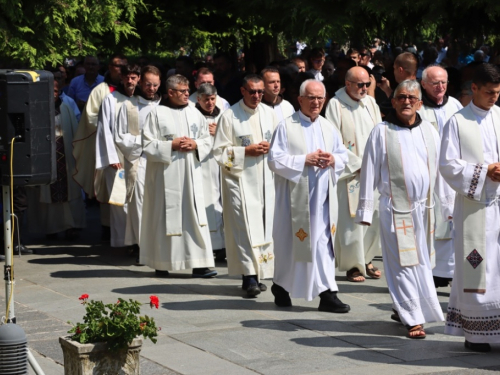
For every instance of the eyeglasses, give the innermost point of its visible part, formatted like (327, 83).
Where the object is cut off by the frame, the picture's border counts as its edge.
(437, 83)
(253, 92)
(119, 65)
(318, 61)
(183, 91)
(314, 98)
(402, 98)
(361, 84)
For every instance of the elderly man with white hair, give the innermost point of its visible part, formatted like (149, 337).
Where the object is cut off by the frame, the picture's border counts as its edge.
(437, 108)
(401, 161)
(307, 157)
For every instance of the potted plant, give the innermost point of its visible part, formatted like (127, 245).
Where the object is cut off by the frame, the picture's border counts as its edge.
(109, 339)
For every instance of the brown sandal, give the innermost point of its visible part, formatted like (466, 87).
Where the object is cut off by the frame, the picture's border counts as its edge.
(372, 271)
(418, 330)
(354, 273)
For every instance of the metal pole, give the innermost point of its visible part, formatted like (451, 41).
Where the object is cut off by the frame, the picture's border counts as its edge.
(34, 364)
(8, 269)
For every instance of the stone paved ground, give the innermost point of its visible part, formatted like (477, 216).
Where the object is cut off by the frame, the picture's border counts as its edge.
(209, 327)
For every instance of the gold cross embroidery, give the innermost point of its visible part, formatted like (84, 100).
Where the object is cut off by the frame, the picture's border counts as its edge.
(404, 227)
(301, 235)
(334, 229)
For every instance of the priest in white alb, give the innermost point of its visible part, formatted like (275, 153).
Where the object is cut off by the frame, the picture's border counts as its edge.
(401, 161)
(128, 139)
(174, 228)
(355, 114)
(307, 157)
(109, 159)
(437, 108)
(470, 163)
(205, 75)
(241, 146)
(207, 105)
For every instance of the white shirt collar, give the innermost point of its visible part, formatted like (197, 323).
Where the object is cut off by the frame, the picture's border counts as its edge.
(478, 111)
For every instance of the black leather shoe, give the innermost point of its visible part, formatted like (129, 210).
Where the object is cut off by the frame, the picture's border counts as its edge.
(476, 347)
(220, 255)
(331, 303)
(281, 296)
(160, 273)
(23, 249)
(253, 290)
(204, 273)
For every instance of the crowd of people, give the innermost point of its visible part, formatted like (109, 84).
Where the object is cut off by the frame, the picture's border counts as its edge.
(311, 164)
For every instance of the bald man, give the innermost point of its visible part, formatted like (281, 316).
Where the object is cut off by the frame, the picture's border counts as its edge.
(405, 68)
(437, 108)
(355, 114)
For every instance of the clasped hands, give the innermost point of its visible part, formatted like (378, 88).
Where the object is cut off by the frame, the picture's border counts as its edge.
(320, 159)
(494, 172)
(184, 144)
(257, 149)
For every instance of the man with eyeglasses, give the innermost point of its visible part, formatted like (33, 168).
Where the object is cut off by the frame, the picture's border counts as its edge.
(365, 57)
(240, 147)
(469, 162)
(401, 162)
(128, 139)
(174, 229)
(307, 157)
(109, 158)
(272, 94)
(355, 114)
(437, 108)
(84, 142)
(205, 75)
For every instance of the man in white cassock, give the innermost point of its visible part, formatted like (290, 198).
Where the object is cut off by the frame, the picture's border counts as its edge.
(437, 108)
(128, 139)
(272, 94)
(240, 147)
(207, 105)
(355, 114)
(174, 230)
(307, 157)
(469, 162)
(205, 75)
(401, 161)
(91, 180)
(109, 159)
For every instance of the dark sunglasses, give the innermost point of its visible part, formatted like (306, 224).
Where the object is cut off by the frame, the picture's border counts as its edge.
(361, 84)
(253, 92)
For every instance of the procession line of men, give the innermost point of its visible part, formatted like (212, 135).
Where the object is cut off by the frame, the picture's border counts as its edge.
(198, 177)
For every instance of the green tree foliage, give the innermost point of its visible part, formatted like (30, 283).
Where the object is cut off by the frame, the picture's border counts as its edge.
(37, 32)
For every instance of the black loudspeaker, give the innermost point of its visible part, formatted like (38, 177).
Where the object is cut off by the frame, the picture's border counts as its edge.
(27, 113)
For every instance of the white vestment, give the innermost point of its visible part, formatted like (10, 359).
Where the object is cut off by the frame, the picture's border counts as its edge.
(46, 215)
(474, 315)
(106, 154)
(282, 110)
(411, 287)
(305, 279)
(355, 245)
(445, 254)
(219, 101)
(174, 228)
(213, 194)
(131, 147)
(247, 189)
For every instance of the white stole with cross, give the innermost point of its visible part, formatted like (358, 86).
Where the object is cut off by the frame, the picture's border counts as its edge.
(299, 192)
(474, 213)
(260, 224)
(170, 123)
(401, 205)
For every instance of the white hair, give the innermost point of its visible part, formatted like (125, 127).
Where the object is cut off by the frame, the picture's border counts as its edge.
(304, 84)
(426, 71)
(410, 86)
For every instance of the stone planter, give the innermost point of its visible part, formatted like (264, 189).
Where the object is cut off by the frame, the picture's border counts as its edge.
(95, 359)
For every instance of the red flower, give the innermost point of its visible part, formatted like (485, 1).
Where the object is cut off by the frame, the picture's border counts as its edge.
(154, 301)
(78, 330)
(83, 297)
